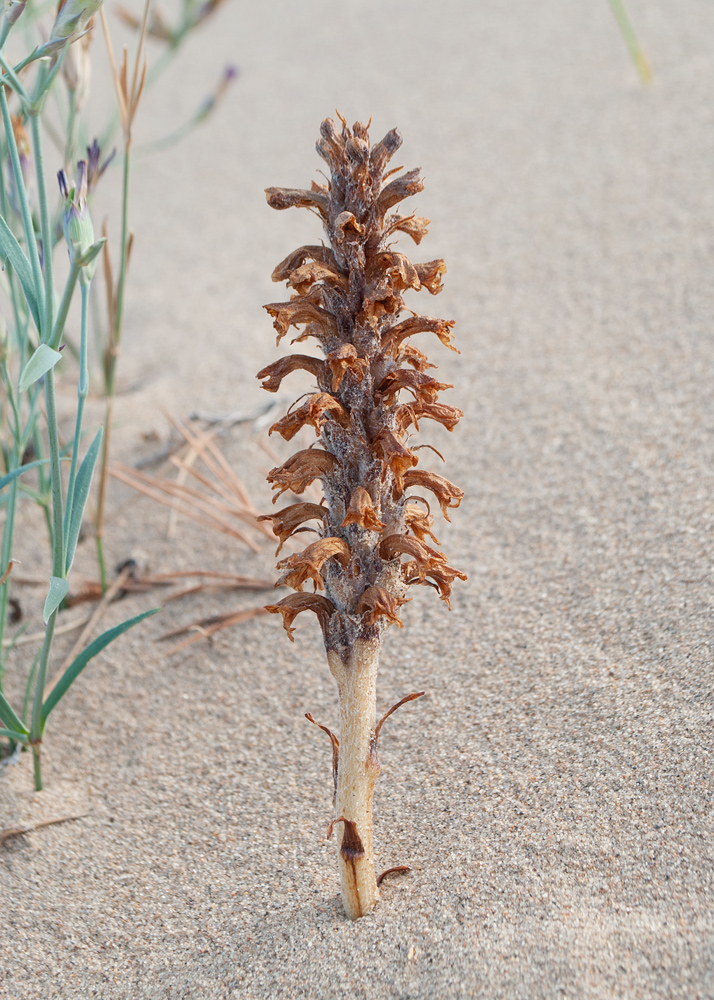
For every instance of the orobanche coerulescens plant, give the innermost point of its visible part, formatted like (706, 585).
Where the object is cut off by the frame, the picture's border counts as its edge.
(373, 526)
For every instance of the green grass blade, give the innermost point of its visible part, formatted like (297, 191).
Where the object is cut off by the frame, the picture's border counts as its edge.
(77, 665)
(79, 496)
(8, 716)
(13, 253)
(6, 480)
(39, 364)
(55, 595)
(11, 734)
(628, 33)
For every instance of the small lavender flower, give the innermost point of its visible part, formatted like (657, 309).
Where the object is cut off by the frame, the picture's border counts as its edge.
(95, 169)
(76, 222)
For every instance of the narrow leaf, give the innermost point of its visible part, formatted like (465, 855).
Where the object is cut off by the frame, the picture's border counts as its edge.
(80, 662)
(89, 254)
(41, 361)
(8, 716)
(56, 594)
(6, 480)
(12, 735)
(79, 496)
(12, 252)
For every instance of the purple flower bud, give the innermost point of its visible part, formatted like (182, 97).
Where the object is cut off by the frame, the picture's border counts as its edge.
(94, 170)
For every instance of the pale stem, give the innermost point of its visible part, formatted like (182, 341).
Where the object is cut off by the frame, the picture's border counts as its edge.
(357, 772)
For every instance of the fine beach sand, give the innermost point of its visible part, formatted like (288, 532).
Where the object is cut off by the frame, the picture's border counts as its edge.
(552, 792)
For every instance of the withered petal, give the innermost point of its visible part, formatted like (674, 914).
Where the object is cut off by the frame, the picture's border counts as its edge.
(315, 411)
(395, 454)
(276, 372)
(300, 310)
(397, 190)
(361, 511)
(411, 413)
(347, 226)
(312, 273)
(395, 545)
(396, 268)
(414, 357)
(442, 575)
(281, 198)
(445, 492)
(420, 324)
(344, 359)
(298, 257)
(415, 226)
(291, 606)
(376, 602)
(424, 387)
(287, 520)
(419, 522)
(306, 565)
(301, 469)
(430, 275)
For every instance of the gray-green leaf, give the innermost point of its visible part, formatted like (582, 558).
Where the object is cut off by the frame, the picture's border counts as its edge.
(44, 358)
(17, 737)
(18, 472)
(10, 718)
(13, 253)
(57, 592)
(79, 497)
(77, 665)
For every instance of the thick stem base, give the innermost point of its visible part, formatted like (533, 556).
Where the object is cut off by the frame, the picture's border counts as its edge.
(356, 775)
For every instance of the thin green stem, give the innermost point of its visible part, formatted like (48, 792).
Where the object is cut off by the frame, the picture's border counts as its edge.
(61, 318)
(5, 31)
(7, 538)
(24, 206)
(44, 221)
(628, 33)
(57, 570)
(82, 388)
(14, 80)
(56, 476)
(36, 720)
(111, 364)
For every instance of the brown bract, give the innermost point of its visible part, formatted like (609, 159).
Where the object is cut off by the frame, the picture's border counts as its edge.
(349, 295)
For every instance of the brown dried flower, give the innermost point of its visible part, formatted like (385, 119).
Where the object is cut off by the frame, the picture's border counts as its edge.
(349, 297)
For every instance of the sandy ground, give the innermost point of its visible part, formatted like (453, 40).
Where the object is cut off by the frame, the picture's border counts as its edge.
(553, 792)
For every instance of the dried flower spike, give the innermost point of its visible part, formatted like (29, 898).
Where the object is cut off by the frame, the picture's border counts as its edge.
(371, 389)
